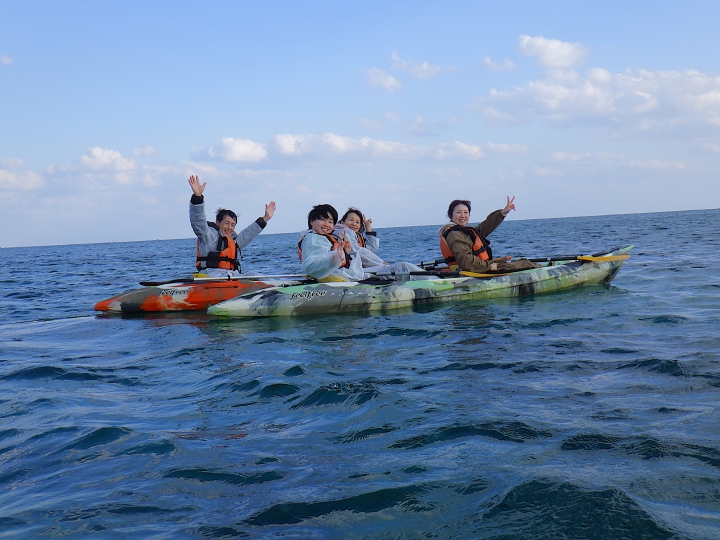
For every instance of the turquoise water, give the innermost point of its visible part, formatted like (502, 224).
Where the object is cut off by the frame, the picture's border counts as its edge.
(591, 413)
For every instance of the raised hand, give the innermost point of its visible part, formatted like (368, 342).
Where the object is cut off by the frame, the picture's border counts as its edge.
(509, 206)
(345, 243)
(196, 186)
(368, 223)
(269, 211)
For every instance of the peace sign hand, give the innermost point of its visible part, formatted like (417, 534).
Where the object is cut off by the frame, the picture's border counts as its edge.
(368, 223)
(509, 206)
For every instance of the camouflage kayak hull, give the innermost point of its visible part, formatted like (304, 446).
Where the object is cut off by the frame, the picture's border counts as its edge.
(353, 297)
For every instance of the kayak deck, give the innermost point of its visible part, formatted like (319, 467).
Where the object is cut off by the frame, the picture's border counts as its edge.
(358, 297)
(184, 296)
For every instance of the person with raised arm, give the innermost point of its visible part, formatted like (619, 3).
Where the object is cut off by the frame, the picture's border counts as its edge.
(467, 248)
(358, 230)
(218, 245)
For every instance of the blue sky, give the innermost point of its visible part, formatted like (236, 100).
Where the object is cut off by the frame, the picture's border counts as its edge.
(576, 108)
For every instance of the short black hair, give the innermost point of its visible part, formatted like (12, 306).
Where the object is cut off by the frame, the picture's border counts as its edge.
(321, 211)
(358, 213)
(222, 213)
(456, 202)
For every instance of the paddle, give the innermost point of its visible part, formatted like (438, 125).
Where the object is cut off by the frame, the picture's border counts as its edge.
(597, 257)
(440, 273)
(604, 258)
(155, 283)
(209, 279)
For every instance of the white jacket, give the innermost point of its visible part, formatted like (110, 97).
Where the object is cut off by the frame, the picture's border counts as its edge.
(366, 254)
(319, 260)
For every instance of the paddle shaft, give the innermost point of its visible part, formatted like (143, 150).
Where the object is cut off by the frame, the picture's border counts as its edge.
(555, 258)
(439, 262)
(218, 279)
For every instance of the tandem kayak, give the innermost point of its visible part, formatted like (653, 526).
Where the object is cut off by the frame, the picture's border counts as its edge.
(361, 297)
(189, 294)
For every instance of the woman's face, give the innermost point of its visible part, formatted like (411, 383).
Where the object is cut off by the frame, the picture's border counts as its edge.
(461, 215)
(323, 225)
(353, 221)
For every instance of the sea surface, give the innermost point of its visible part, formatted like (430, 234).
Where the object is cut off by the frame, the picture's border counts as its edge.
(590, 413)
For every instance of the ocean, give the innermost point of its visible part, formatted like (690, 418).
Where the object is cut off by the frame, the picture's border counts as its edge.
(591, 413)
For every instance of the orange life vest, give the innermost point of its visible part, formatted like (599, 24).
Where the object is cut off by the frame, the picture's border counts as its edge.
(334, 240)
(481, 246)
(225, 255)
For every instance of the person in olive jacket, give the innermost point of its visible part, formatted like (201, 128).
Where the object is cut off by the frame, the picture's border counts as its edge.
(468, 248)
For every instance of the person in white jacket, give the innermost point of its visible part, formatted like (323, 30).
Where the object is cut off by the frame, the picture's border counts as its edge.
(323, 255)
(327, 254)
(365, 242)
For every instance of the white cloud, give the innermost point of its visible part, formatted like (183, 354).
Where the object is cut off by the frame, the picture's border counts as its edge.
(392, 117)
(144, 151)
(422, 129)
(643, 99)
(149, 181)
(543, 171)
(242, 150)
(290, 145)
(99, 169)
(553, 53)
(712, 147)
(123, 179)
(601, 161)
(504, 148)
(19, 180)
(507, 65)
(6, 60)
(340, 144)
(371, 124)
(154, 174)
(105, 160)
(333, 144)
(658, 165)
(233, 150)
(600, 75)
(378, 77)
(457, 149)
(562, 156)
(193, 167)
(422, 70)
(12, 163)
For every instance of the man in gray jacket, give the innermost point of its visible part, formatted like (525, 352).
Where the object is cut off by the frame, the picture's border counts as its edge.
(218, 246)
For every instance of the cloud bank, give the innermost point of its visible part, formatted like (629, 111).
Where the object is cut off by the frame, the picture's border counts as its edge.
(378, 77)
(634, 98)
(233, 150)
(553, 53)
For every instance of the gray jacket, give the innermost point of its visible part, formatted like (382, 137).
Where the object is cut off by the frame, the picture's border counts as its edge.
(207, 236)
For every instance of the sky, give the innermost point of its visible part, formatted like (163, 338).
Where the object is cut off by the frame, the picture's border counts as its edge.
(394, 107)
